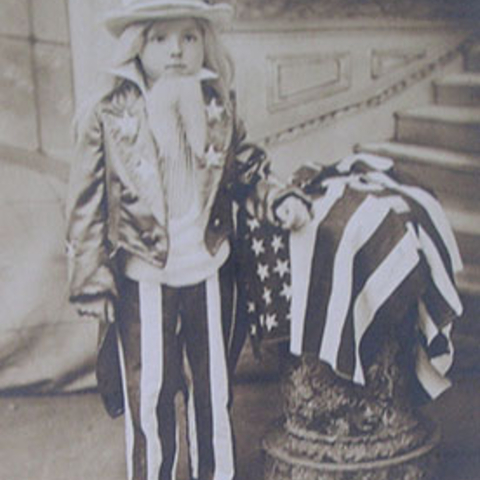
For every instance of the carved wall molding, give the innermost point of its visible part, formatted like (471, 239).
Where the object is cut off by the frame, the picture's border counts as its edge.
(384, 62)
(301, 10)
(298, 79)
(370, 98)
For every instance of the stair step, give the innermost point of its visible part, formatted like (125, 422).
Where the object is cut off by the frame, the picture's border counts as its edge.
(444, 171)
(458, 89)
(468, 282)
(440, 126)
(466, 351)
(466, 225)
(472, 61)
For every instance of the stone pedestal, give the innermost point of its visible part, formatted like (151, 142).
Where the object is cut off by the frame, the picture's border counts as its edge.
(333, 429)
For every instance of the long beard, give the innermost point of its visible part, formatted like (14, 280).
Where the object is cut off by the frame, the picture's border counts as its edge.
(177, 119)
(177, 116)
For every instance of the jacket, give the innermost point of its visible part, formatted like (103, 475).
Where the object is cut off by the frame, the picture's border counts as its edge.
(115, 197)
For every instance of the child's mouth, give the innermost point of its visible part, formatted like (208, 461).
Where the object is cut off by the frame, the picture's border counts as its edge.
(177, 66)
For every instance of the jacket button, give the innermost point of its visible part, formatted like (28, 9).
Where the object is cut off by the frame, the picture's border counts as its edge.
(149, 238)
(129, 197)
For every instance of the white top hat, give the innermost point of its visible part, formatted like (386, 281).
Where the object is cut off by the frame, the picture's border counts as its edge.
(134, 11)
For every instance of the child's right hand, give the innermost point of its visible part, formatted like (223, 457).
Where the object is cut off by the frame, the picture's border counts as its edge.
(100, 309)
(293, 213)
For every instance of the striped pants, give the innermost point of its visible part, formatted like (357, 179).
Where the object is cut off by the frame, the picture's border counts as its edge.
(172, 340)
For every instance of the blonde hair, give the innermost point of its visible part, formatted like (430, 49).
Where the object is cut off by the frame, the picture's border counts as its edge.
(130, 45)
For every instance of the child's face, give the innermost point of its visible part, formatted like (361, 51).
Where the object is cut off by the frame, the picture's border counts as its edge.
(173, 47)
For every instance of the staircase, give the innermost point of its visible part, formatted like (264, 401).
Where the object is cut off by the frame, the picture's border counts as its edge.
(440, 145)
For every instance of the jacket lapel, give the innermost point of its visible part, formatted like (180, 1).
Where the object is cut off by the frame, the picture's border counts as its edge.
(134, 156)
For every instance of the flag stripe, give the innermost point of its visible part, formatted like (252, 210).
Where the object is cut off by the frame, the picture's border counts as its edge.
(380, 286)
(320, 286)
(366, 261)
(302, 245)
(366, 219)
(433, 382)
(434, 211)
(439, 273)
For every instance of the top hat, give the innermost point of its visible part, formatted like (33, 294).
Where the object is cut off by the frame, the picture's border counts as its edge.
(134, 11)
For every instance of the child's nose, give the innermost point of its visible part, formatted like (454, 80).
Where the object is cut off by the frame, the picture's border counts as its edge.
(176, 47)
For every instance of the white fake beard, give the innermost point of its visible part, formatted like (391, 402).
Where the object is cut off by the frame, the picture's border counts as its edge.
(177, 113)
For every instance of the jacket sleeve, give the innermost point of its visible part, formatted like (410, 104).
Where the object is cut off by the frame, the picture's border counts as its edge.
(90, 270)
(256, 188)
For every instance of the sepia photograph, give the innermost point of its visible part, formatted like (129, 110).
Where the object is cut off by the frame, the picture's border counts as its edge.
(240, 239)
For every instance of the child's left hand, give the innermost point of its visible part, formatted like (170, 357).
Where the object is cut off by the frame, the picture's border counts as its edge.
(293, 213)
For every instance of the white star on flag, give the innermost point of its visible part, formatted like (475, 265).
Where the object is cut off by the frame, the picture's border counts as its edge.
(286, 291)
(262, 271)
(257, 246)
(281, 267)
(277, 243)
(251, 307)
(267, 296)
(214, 111)
(271, 322)
(253, 224)
(213, 157)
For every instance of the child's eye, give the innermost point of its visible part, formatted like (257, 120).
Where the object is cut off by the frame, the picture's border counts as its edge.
(191, 37)
(157, 38)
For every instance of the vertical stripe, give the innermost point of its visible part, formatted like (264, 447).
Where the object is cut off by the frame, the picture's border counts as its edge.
(128, 411)
(222, 434)
(329, 237)
(443, 363)
(302, 245)
(439, 275)
(177, 441)
(192, 436)
(152, 372)
(233, 326)
(367, 259)
(427, 326)
(429, 329)
(431, 380)
(379, 287)
(363, 224)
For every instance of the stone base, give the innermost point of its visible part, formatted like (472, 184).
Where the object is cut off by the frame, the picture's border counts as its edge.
(288, 457)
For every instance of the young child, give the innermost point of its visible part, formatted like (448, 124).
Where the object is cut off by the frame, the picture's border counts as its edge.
(161, 158)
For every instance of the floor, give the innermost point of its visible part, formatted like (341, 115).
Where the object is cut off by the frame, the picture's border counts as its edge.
(69, 437)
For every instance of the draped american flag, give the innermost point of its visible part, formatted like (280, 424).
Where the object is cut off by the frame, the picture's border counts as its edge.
(378, 246)
(265, 271)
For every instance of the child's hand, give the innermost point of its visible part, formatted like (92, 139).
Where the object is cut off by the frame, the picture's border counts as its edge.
(100, 309)
(293, 213)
